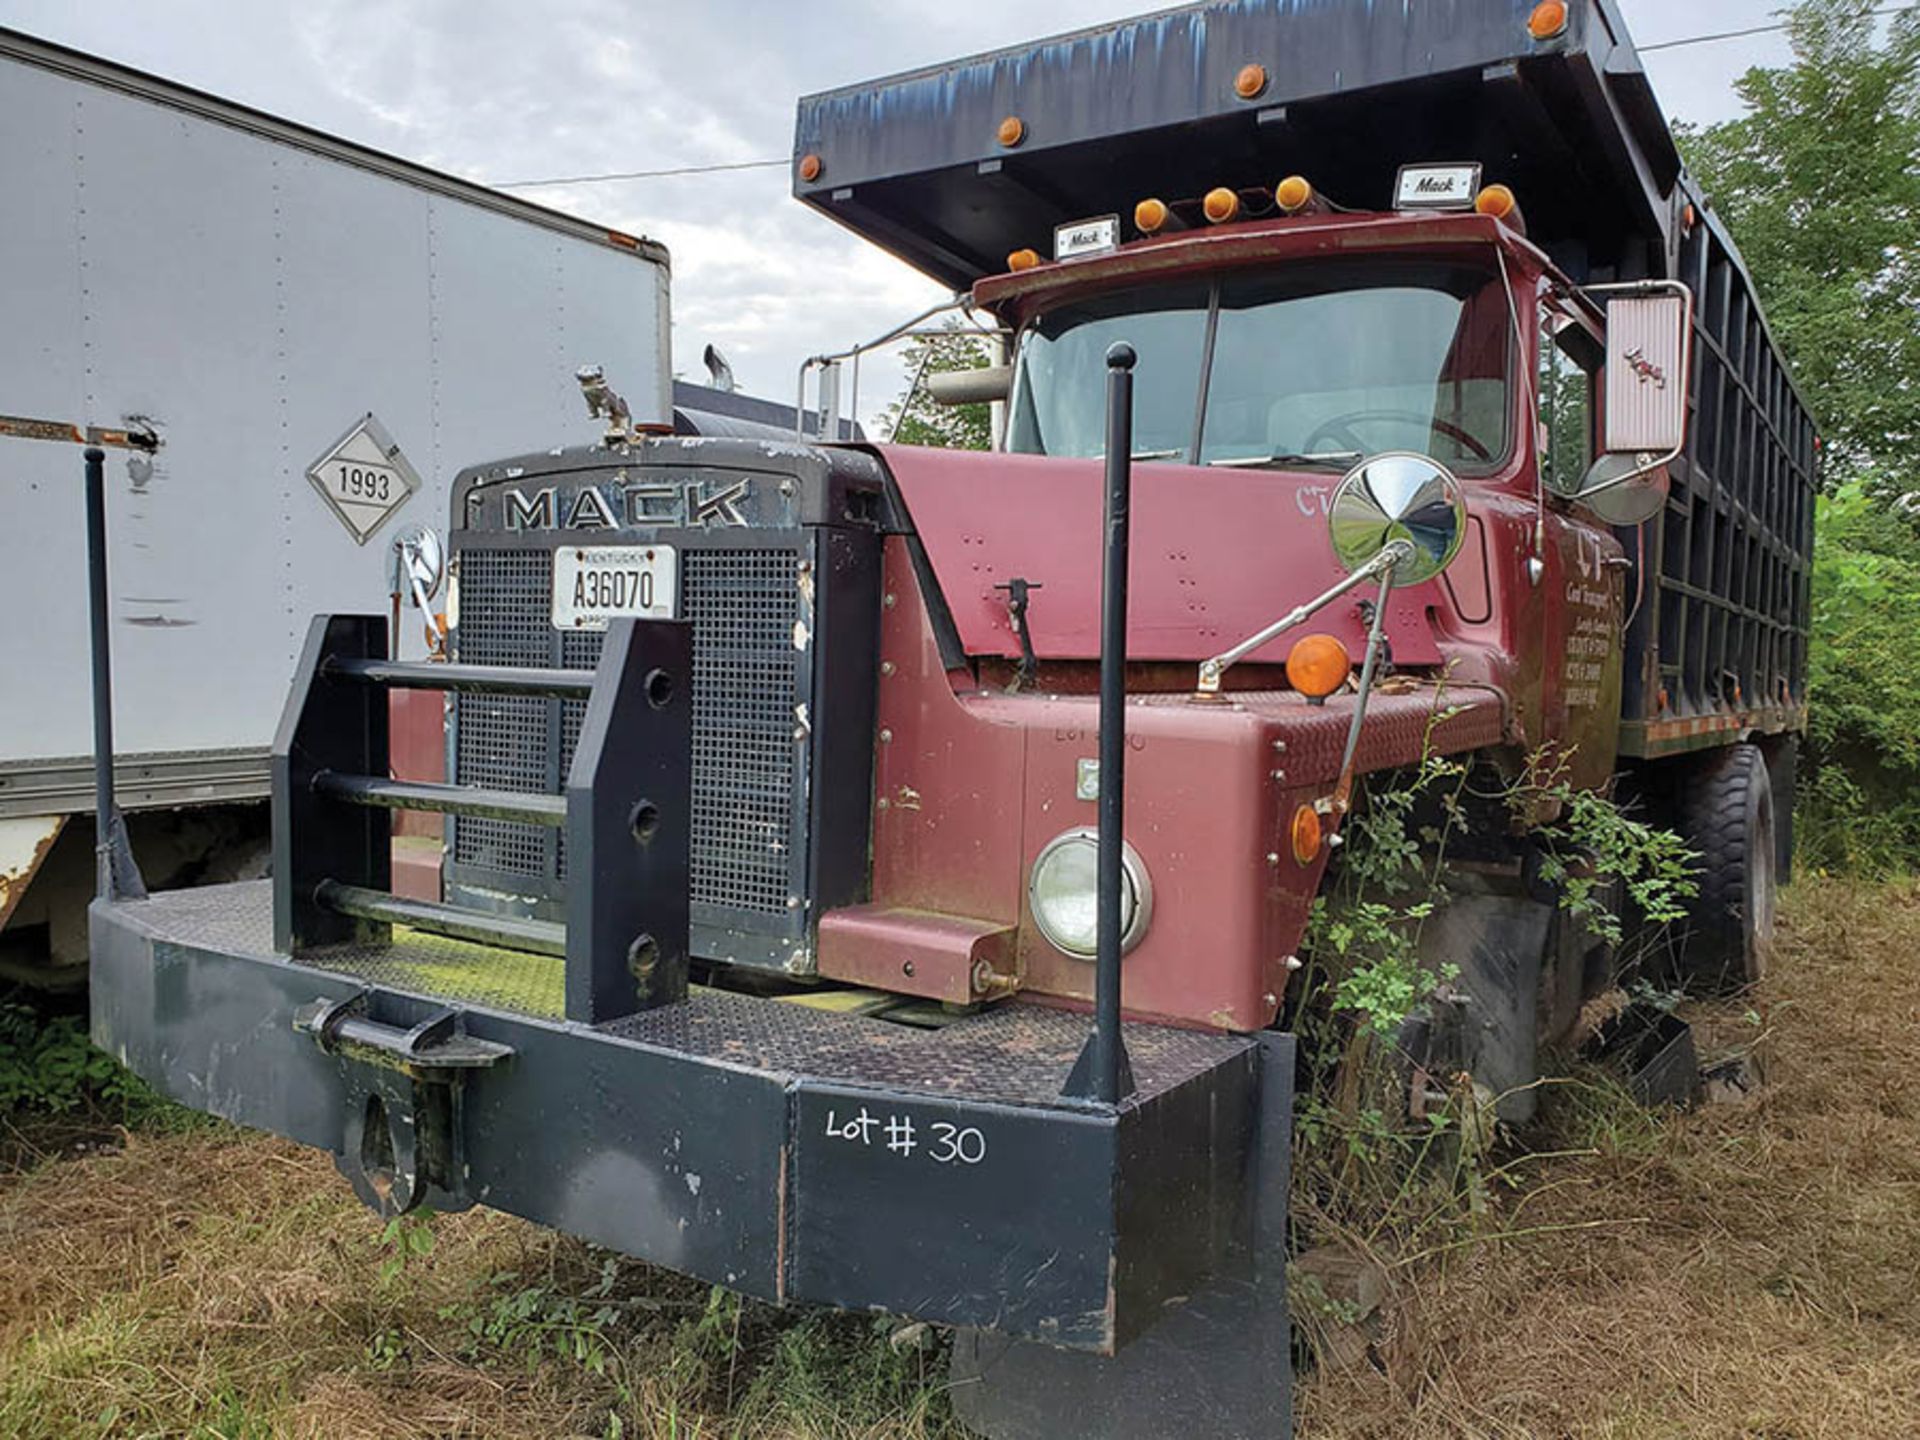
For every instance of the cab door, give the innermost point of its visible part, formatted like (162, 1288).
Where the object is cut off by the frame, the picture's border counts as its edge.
(1585, 568)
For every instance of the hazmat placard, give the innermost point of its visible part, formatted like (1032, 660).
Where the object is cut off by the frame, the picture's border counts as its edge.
(363, 477)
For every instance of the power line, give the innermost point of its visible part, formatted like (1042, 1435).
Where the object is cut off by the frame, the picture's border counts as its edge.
(769, 164)
(1756, 30)
(637, 174)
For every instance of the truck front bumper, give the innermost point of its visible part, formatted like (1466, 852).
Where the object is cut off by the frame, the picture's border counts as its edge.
(779, 1150)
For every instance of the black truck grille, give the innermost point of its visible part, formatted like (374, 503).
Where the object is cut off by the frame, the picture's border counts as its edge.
(742, 605)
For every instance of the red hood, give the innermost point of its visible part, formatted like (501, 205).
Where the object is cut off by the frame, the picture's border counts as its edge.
(1218, 554)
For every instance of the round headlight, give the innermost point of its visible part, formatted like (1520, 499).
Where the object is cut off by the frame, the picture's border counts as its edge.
(1063, 893)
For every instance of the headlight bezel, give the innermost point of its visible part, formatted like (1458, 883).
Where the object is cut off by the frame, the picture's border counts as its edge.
(1135, 884)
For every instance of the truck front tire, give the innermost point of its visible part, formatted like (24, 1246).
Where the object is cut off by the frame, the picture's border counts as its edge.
(1726, 816)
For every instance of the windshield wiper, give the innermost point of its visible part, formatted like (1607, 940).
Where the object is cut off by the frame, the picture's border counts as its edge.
(1334, 459)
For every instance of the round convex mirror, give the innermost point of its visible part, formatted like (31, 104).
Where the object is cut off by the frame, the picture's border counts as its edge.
(1620, 501)
(1399, 496)
(419, 563)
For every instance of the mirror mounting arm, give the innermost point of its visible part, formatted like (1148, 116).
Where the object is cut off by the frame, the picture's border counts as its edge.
(1637, 287)
(1644, 464)
(1369, 668)
(1382, 564)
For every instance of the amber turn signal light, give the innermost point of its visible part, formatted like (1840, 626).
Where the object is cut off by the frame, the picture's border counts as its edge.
(1221, 205)
(1151, 216)
(1250, 82)
(1011, 132)
(1497, 201)
(1306, 834)
(1549, 19)
(1318, 665)
(1023, 259)
(810, 167)
(1293, 194)
(1503, 205)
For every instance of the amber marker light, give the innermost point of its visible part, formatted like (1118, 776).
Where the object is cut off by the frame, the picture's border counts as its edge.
(1221, 205)
(1306, 834)
(1497, 201)
(1251, 82)
(1549, 19)
(810, 167)
(1151, 216)
(1318, 665)
(1293, 194)
(1023, 259)
(1011, 132)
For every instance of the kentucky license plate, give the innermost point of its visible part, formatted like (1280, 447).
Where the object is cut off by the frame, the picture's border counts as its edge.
(593, 586)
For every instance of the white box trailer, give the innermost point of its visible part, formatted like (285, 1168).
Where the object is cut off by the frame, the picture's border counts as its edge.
(249, 290)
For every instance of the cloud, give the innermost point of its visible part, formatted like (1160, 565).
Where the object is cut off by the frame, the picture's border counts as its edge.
(495, 90)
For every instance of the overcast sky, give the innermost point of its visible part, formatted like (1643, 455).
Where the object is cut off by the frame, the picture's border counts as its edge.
(502, 90)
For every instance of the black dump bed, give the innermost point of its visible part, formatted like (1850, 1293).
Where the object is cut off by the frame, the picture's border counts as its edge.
(1353, 90)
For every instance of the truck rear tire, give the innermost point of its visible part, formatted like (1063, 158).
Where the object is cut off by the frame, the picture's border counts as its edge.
(1726, 816)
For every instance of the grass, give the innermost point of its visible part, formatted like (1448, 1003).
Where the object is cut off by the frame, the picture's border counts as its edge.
(225, 1284)
(215, 1283)
(1746, 1270)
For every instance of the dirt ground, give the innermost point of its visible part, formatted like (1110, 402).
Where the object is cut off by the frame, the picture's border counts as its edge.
(1750, 1269)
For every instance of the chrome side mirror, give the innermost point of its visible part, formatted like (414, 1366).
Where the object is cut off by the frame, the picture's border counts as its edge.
(1649, 370)
(1399, 516)
(418, 566)
(1625, 490)
(1401, 502)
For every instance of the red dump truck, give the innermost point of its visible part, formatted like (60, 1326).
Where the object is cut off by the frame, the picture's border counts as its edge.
(1379, 386)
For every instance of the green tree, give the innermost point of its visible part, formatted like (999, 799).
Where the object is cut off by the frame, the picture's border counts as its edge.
(915, 418)
(1861, 806)
(1820, 184)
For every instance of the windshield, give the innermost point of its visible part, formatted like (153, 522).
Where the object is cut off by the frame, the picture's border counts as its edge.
(1321, 364)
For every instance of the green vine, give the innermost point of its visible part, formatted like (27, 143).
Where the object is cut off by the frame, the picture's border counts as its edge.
(1371, 1173)
(1596, 850)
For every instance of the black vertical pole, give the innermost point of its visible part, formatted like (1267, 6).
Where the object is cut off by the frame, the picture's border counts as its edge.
(115, 874)
(104, 815)
(1102, 1073)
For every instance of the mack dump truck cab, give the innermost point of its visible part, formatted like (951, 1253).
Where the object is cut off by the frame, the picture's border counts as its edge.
(1438, 415)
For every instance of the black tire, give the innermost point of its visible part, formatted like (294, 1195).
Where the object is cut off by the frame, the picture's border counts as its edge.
(1726, 816)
